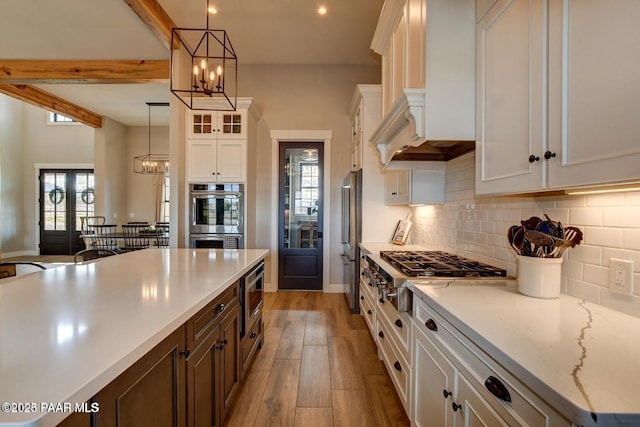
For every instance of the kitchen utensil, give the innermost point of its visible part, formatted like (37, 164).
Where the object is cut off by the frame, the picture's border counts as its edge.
(543, 243)
(531, 223)
(572, 238)
(551, 227)
(510, 236)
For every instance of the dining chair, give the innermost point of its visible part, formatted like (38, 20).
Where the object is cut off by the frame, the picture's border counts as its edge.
(92, 254)
(162, 240)
(135, 237)
(104, 237)
(85, 223)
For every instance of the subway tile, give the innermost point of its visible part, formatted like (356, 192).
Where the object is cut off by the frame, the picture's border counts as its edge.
(572, 269)
(631, 239)
(584, 290)
(609, 253)
(632, 198)
(571, 202)
(622, 217)
(610, 199)
(586, 254)
(596, 274)
(601, 236)
(586, 216)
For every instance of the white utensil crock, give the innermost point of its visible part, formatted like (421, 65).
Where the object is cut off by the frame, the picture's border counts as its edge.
(539, 277)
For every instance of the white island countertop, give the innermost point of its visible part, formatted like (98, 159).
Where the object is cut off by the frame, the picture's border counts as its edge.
(582, 358)
(67, 332)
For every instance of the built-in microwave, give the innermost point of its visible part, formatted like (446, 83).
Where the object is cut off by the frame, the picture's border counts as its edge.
(251, 287)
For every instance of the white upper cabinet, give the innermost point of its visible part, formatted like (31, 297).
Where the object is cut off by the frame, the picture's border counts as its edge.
(217, 143)
(217, 124)
(509, 134)
(557, 102)
(428, 73)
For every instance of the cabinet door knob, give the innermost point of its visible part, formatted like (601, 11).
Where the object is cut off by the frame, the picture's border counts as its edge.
(381, 334)
(431, 325)
(455, 406)
(397, 366)
(399, 323)
(368, 311)
(548, 155)
(184, 353)
(253, 334)
(446, 393)
(533, 158)
(361, 297)
(498, 389)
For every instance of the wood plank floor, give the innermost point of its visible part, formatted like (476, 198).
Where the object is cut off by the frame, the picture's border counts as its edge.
(318, 366)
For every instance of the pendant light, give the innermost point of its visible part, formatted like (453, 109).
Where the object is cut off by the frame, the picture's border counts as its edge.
(152, 164)
(212, 68)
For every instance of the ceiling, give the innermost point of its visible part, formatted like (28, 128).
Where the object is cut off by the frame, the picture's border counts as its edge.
(262, 32)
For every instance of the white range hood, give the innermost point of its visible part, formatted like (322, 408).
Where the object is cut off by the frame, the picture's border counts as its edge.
(433, 113)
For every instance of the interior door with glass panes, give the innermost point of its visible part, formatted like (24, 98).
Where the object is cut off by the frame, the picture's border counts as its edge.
(66, 195)
(300, 216)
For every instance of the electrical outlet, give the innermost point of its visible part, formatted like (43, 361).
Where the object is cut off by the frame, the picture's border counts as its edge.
(621, 276)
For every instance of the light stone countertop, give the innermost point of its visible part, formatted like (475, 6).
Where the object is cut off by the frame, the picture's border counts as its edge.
(582, 358)
(67, 332)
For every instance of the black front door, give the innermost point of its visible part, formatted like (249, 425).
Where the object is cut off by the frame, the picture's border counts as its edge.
(300, 216)
(66, 195)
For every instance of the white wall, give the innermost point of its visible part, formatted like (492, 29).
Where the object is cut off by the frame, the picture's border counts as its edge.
(477, 226)
(26, 140)
(110, 168)
(140, 188)
(304, 97)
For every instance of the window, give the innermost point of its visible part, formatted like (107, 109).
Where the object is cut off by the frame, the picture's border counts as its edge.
(307, 198)
(166, 193)
(57, 118)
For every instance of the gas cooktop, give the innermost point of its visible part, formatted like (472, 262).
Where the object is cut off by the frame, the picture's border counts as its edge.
(437, 263)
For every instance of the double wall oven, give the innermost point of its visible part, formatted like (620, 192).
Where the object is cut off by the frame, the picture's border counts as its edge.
(216, 216)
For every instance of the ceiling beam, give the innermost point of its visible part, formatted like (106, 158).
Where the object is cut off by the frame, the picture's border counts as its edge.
(40, 98)
(101, 71)
(155, 17)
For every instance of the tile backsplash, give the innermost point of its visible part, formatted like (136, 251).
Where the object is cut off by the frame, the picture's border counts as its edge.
(476, 227)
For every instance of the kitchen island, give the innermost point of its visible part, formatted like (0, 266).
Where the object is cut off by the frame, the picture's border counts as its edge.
(68, 332)
(579, 358)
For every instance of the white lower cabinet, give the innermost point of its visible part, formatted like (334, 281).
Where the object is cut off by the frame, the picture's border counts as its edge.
(455, 383)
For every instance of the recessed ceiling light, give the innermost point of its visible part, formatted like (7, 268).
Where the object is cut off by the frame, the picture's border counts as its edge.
(322, 10)
(212, 10)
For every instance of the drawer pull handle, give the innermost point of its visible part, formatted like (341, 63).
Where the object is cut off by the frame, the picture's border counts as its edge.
(446, 393)
(369, 312)
(455, 406)
(253, 334)
(381, 334)
(399, 323)
(397, 366)
(220, 308)
(431, 325)
(498, 389)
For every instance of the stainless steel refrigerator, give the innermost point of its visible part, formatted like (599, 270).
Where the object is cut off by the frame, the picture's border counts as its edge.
(351, 236)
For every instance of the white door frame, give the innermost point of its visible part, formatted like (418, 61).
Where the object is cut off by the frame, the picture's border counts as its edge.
(278, 136)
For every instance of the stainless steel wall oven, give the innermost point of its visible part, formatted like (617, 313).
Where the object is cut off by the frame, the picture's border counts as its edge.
(251, 288)
(216, 216)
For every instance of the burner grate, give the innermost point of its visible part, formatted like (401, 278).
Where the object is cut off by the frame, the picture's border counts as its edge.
(438, 263)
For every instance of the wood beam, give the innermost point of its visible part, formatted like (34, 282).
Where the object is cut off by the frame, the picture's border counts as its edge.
(155, 17)
(48, 101)
(101, 71)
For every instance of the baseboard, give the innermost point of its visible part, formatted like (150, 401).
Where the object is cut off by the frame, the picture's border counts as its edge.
(18, 253)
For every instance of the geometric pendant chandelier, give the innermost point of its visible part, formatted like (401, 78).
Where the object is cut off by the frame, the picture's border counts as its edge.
(150, 163)
(212, 65)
